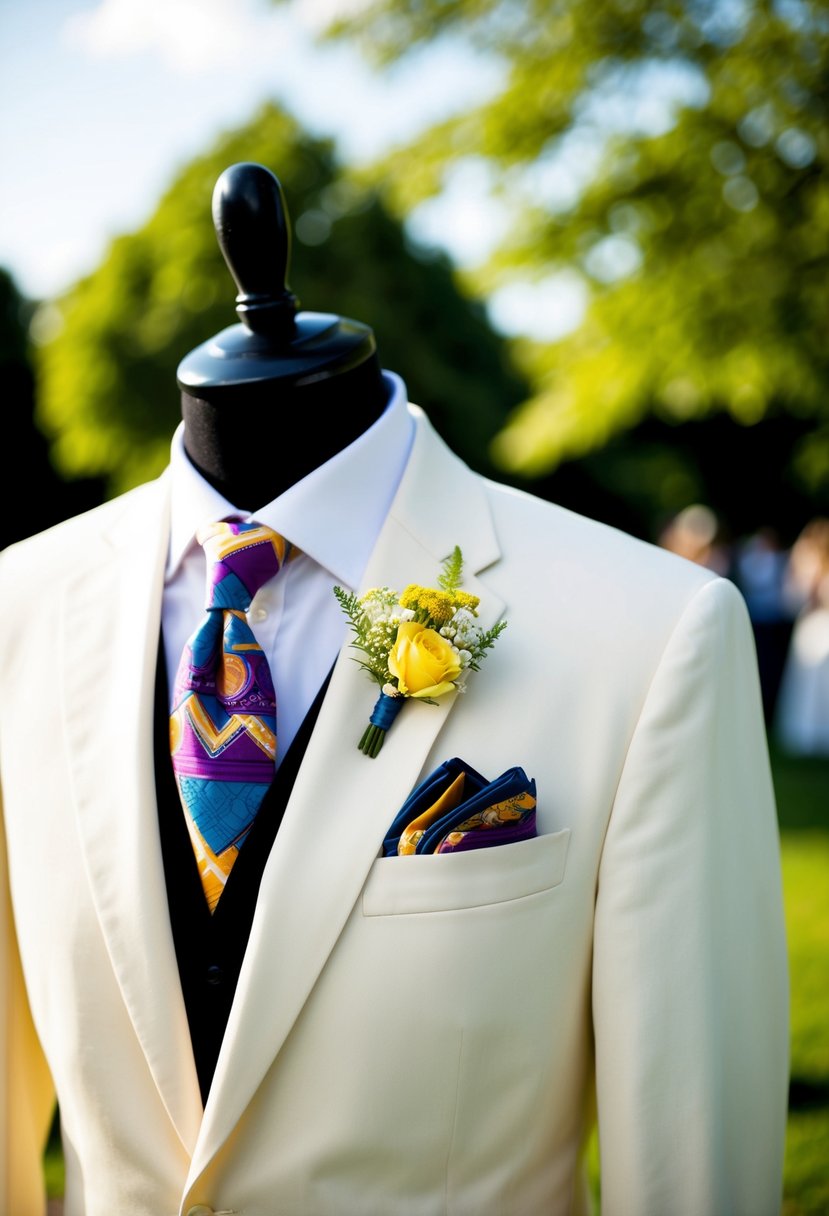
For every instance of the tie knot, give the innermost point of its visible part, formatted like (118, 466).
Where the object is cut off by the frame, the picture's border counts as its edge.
(240, 559)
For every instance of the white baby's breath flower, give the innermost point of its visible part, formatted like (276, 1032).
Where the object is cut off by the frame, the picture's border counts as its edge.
(464, 641)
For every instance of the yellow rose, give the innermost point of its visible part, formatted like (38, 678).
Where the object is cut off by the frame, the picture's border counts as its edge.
(423, 662)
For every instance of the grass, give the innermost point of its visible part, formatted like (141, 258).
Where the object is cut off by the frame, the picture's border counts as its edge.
(802, 788)
(53, 1164)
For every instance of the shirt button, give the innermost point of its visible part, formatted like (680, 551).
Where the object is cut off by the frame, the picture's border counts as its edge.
(200, 1209)
(260, 614)
(215, 977)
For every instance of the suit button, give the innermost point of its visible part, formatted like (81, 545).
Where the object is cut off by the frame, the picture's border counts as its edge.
(215, 977)
(201, 1209)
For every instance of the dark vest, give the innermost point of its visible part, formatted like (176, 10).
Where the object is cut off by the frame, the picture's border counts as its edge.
(210, 949)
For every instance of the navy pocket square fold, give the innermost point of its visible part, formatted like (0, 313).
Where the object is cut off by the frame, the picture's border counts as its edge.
(455, 809)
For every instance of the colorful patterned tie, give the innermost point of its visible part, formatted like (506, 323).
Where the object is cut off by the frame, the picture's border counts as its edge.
(223, 722)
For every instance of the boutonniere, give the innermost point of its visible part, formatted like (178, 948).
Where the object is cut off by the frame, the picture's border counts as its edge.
(421, 643)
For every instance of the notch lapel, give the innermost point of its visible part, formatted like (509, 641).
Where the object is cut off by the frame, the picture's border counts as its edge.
(333, 829)
(112, 612)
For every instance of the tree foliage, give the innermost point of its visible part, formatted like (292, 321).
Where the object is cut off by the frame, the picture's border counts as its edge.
(700, 224)
(47, 499)
(107, 390)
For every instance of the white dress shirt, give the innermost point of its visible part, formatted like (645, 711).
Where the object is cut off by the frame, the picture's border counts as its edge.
(333, 516)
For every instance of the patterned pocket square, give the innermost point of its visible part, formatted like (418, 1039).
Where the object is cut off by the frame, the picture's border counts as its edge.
(455, 808)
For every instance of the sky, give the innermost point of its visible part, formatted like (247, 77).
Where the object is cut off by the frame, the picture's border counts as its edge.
(105, 100)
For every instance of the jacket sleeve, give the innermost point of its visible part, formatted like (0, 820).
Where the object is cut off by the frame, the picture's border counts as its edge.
(690, 978)
(27, 1099)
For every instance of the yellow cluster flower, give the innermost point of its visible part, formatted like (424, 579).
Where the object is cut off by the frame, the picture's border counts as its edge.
(434, 606)
(462, 599)
(428, 604)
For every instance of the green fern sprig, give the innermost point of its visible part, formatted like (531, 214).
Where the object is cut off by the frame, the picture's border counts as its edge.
(450, 579)
(373, 665)
(485, 642)
(350, 605)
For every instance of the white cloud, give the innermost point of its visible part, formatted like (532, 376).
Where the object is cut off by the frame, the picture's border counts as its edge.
(465, 219)
(190, 36)
(544, 310)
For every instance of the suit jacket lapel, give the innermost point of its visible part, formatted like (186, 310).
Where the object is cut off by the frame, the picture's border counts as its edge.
(332, 830)
(111, 624)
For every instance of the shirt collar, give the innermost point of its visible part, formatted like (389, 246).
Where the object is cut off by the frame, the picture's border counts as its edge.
(334, 514)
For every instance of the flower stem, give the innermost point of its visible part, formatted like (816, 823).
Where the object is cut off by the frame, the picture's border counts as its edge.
(372, 740)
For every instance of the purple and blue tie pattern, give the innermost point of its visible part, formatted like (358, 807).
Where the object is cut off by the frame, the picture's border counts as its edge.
(223, 720)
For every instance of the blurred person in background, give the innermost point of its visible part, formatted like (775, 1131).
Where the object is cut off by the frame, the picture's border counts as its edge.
(696, 533)
(801, 722)
(761, 565)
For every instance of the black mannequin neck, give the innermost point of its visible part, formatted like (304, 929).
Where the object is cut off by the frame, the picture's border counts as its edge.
(254, 441)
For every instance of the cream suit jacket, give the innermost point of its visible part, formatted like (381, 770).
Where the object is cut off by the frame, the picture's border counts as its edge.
(423, 1035)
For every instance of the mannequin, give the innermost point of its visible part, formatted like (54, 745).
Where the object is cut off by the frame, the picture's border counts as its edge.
(264, 402)
(314, 377)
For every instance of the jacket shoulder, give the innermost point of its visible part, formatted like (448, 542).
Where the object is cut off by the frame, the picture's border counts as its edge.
(596, 562)
(60, 548)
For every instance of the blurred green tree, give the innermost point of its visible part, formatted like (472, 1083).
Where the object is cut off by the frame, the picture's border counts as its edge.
(673, 157)
(34, 495)
(106, 370)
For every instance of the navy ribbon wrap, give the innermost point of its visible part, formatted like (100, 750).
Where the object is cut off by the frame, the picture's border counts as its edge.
(385, 711)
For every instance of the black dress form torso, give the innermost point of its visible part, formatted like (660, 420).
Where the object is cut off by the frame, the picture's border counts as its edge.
(294, 430)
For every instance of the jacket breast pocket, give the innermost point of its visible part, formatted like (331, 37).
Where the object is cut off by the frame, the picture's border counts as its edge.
(444, 882)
